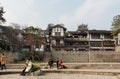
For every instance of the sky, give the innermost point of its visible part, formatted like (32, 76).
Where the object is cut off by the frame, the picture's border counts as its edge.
(97, 14)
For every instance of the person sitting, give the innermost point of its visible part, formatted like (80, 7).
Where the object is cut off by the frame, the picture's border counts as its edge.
(50, 63)
(61, 65)
(57, 63)
(27, 68)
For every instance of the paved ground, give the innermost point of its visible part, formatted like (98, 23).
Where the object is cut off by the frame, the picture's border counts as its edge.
(59, 76)
(81, 73)
(67, 70)
(65, 75)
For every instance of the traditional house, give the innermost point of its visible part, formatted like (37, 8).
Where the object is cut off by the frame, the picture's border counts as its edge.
(82, 39)
(56, 34)
(117, 38)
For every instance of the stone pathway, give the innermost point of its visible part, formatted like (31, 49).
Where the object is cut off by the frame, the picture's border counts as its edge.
(59, 76)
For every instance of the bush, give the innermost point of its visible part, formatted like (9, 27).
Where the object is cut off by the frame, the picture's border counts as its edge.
(35, 68)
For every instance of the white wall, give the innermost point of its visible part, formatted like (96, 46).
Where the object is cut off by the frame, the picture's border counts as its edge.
(58, 29)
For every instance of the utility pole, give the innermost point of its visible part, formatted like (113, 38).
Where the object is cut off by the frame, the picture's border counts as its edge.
(102, 43)
(89, 50)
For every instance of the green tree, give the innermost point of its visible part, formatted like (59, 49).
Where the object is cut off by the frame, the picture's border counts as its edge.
(2, 19)
(33, 34)
(32, 30)
(116, 25)
(34, 38)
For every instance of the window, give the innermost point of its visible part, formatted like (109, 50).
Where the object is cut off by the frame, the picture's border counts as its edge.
(95, 36)
(95, 44)
(107, 36)
(57, 42)
(57, 49)
(57, 33)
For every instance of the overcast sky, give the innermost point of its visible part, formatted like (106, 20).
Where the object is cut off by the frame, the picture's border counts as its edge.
(98, 14)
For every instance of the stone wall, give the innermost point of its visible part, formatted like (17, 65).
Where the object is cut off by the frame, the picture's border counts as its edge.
(87, 56)
(75, 57)
(12, 57)
(117, 48)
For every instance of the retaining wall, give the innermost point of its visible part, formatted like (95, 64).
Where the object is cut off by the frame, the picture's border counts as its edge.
(12, 57)
(75, 57)
(87, 56)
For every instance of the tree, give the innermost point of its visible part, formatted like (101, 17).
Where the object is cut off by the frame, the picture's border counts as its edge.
(33, 35)
(116, 25)
(2, 19)
(9, 37)
(33, 39)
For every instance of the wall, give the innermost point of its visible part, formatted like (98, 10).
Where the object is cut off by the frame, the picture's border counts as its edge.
(75, 57)
(12, 57)
(117, 48)
(86, 56)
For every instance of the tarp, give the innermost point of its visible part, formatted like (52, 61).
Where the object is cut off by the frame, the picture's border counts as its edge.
(22, 51)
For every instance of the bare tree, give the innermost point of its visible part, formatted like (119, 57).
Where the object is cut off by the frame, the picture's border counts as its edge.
(2, 19)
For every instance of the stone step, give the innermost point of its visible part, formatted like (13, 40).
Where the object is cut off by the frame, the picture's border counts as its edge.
(113, 72)
(72, 65)
(15, 66)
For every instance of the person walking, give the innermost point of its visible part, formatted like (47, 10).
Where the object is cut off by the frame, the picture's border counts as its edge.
(3, 61)
(0, 63)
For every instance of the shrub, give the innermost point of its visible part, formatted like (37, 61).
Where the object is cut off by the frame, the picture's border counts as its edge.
(35, 68)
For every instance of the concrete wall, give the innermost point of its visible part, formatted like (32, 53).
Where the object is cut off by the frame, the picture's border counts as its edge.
(86, 56)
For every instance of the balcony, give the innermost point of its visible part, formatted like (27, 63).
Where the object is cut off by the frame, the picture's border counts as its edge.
(108, 47)
(96, 47)
(104, 48)
(98, 39)
(57, 36)
(58, 46)
(77, 39)
(109, 39)
(95, 40)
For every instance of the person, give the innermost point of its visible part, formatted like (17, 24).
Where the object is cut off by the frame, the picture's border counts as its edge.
(0, 63)
(28, 66)
(3, 61)
(57, 63)
(50, 63)
(61, 65)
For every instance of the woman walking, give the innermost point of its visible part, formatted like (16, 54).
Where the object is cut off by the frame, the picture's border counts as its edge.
(3, 61)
